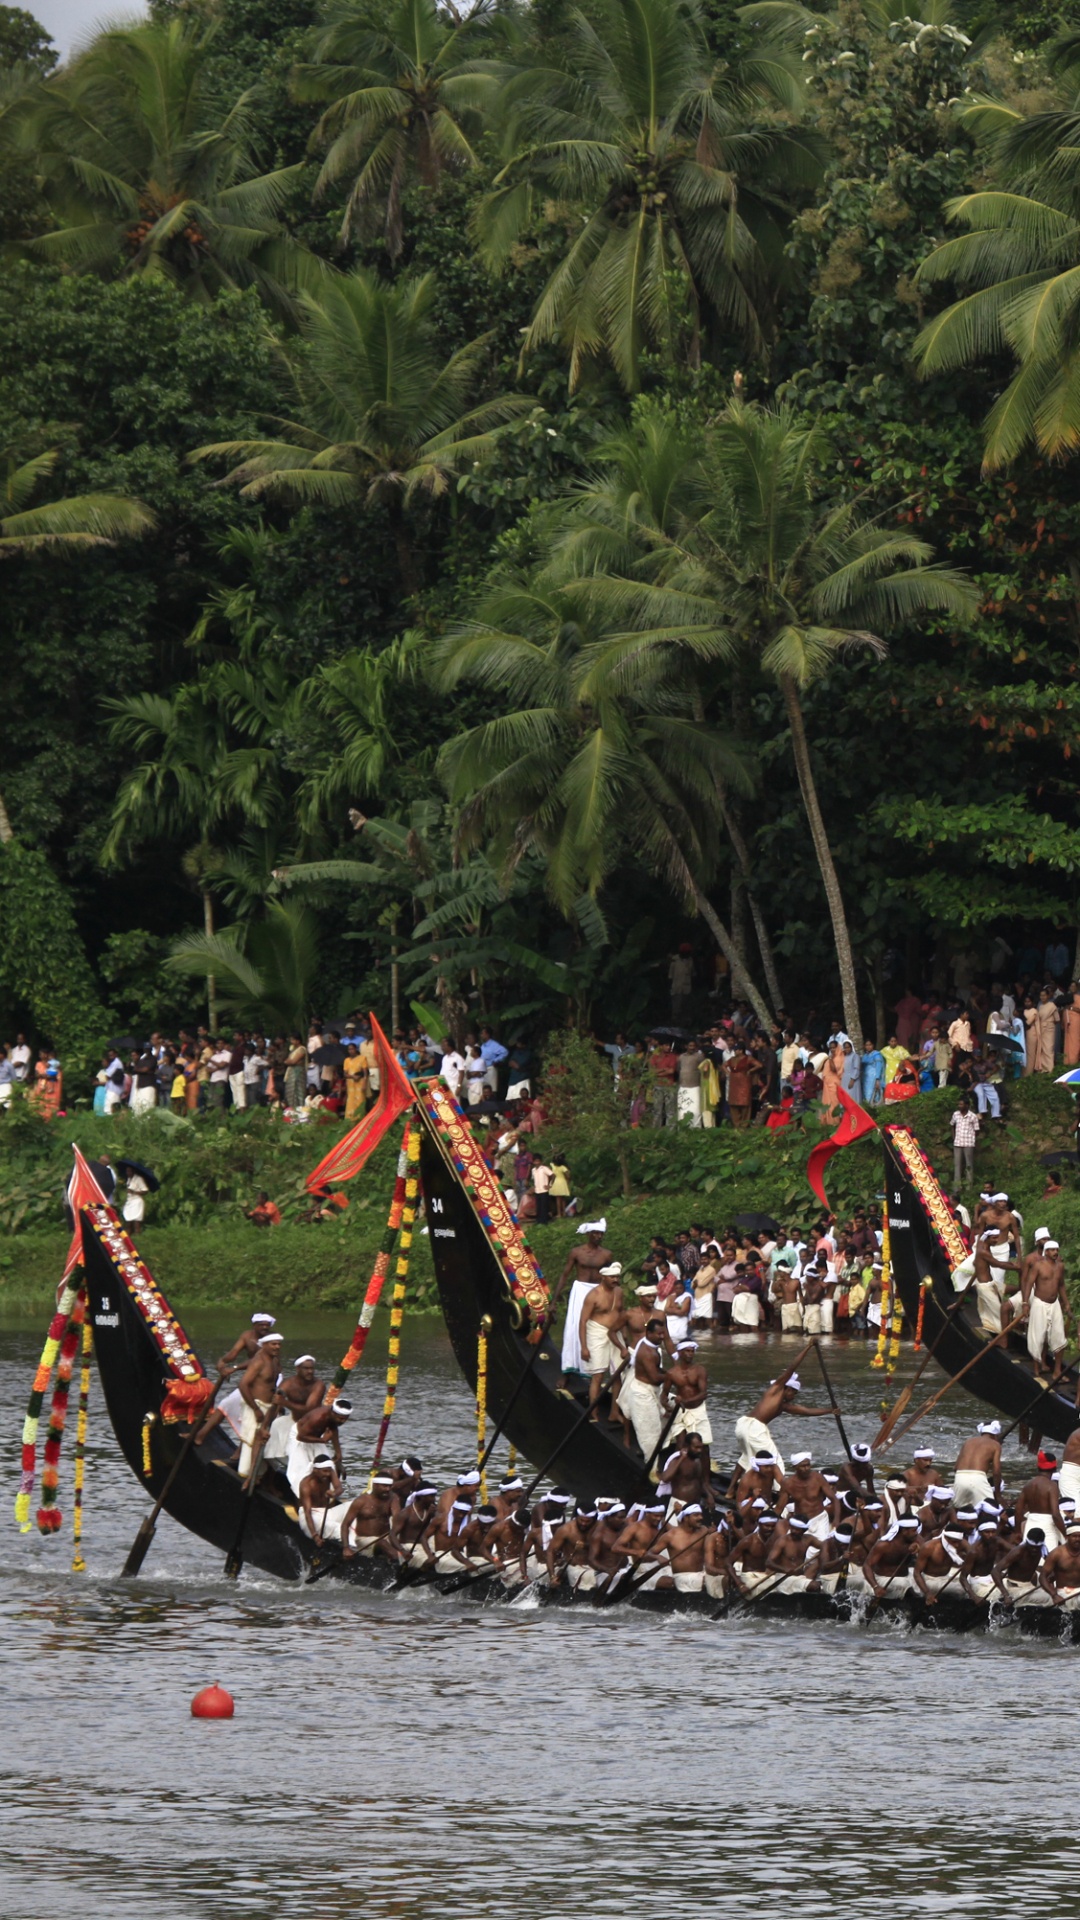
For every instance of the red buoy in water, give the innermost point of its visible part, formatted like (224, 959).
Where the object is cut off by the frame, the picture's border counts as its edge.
(213, 1703)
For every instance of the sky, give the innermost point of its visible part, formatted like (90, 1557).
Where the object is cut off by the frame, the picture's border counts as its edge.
(70, 22)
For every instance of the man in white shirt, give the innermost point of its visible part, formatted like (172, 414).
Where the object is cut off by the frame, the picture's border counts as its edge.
(453, 1066)
(219, 1075)
(20, 1057)
(255, 1063)
(114, 1081)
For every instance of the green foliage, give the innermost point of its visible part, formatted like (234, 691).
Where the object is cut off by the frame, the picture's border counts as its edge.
(42, 963)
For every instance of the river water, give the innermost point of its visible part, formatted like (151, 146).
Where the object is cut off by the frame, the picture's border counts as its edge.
(415, 1758)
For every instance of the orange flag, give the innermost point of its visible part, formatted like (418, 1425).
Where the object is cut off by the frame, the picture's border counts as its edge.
(394, 1095)
(82, 1191)
(854, 1123)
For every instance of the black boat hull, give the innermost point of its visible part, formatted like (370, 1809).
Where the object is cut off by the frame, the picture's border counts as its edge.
(924, 1242)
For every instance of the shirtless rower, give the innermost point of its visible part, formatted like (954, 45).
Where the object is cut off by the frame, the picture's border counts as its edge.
(410, 1523)
(1037, 1505)
(856, 1472)
(977, 1573)
(1018, 1567)
(748, 1555)
(320, 1493)
(806, 1493)
(887, 1566)
(752, 1430)
(758, 1482)
(504, 1543)
(603, 1556)
(991, 1264)
(686, 1474)
(680, 1551)
(600, 1335)
(568, 1551)
(1059, 1575)
(1047, 1310)
(920, 1477)
(443, 1539)
(787, 1551)
(978, 1466)
(934, 1514)
(408, 1476)
(642, 1400)
(476, 1540)
(584, 1262)
(258, 1386)
(300, 1392)
(368, 1521)
(940, 1559)
(239, 1356)
(547, 1517)
(637, 1541)
(318, 1428)
(721, 1578)
(685, 1387)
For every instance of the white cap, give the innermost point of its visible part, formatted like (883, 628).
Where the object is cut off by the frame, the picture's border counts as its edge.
(798, 1458)
(923, 1453)
(269, 1318)
(593, 1226)
(939, 1493)
(1048, 1244)
(991, 1427)
(1042, 1233)
(614, 1270)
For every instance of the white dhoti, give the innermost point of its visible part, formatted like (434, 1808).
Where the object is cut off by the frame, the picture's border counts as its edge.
(581, 1579)
(790, 1317)
(716, 1585)
(249, 1425)
(989, 1294)
(1069, 1481)
(812, 1321)
(1023, 1593)
(692, 1420)
(643, 1406)
(328, 1526)
(678, 1326)
(1046, 1522)
(573, 1360)
(746, 1310)
(970, 1488)
(447, 1562)
(1045, 1328)
(688, 1582)
(232, 1406)
(828, 1315)
(873, 1314)
(299, 1459)
(603, 1355)
(753, 1437)
(820, 1526)
(277, 1446)
(688, 1105)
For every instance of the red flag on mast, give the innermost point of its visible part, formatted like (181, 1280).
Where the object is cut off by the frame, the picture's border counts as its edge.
(395, 1094)
(82, 1191)
(854, 1123)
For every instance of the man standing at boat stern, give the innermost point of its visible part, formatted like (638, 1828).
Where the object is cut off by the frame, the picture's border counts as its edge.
(1046, 1306)
(587, 1260)
(643, 1392)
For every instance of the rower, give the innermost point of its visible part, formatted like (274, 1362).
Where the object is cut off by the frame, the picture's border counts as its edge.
(977, 1573)
(410, 1523)
(300, 1392)
(1037, 1504)
(889, 1559)
(643, 1395)
(476, 1539)
(1059, 1575)
(857, 1471)
(934, 1514)
(568, 1551)
(318, 1428)
(920, 1477)
(321, 1506)
(686, 1474)
(787, 1553)
(752, 1430)
(240, 1354)
(258, 1386)
(805, 1493)
(547, 1516)
(1016, 1571)
(685, 1387)
(444, 1536)
(585, 1261)
(600, 1335)
(683, 1546)
(750, 1554)
(604, 1559)
(939, 1561)
(978, 1466)
(464, 1488)
(368, 1520)
(760, 1481)
(644, 1525)
(506, 1540)
(1047, 1310)
(508, 1495)
(409, 1476)
(720, 1575)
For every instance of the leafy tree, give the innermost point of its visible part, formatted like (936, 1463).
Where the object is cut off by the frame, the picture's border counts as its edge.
(266, 970)
(68, 525)
(383, 418)
(24, 41)
(680, 169)
(407, 99)
(146, 174)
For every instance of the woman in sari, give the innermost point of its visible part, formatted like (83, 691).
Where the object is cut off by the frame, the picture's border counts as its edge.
(1041, 1022)
(1071, 1055)
(295, 1072)
(355, 1071)
(831, 1081)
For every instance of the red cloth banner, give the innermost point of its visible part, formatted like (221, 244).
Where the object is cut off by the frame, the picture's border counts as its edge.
(395, 1093)
(854, 1123)
(82, 1191)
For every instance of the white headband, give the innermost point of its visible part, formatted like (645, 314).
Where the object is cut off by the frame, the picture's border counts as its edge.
(470, 1479)
(798, 1458)
(269, 1318)
(269, 1339)
(303, 1360)
(991, 1427)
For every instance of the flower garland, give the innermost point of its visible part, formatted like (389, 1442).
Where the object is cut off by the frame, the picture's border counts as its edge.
(378, 1277)
(481, 1407)
(397, 1304)
(49, 1516)
(920, 1317)
(78, 1564)
(147, 1460)
(37, 1394)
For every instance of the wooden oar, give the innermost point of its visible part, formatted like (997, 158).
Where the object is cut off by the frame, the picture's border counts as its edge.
(140, 1546)
(953, 1381)
(903, 1402)
(234, 1559)
(816, 1344)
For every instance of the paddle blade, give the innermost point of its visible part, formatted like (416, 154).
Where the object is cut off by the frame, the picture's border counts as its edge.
(140, 1547)
(233, 1563)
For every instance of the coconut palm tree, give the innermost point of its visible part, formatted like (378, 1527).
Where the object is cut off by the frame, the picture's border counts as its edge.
(1020, 258)
(67, 525)
(671, 169)
(146, 171)
(581, 770)
(266, 969)
(381, 416)
(754, 555)
(407, 100)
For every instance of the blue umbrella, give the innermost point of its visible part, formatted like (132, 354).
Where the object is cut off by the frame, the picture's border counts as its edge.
(1070, 1079)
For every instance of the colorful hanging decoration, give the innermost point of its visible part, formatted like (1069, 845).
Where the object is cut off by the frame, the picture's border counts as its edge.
(397, 1304)
(921, 1315)
(147, 1459)
(78, 1564)
(49, 1515)
(886, 1285)
(481, 1408)
(378, 1277)
(57, 1327)
(523, 1276)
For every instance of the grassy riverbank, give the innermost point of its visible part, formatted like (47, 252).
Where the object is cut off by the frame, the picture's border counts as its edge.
(205, 1254)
